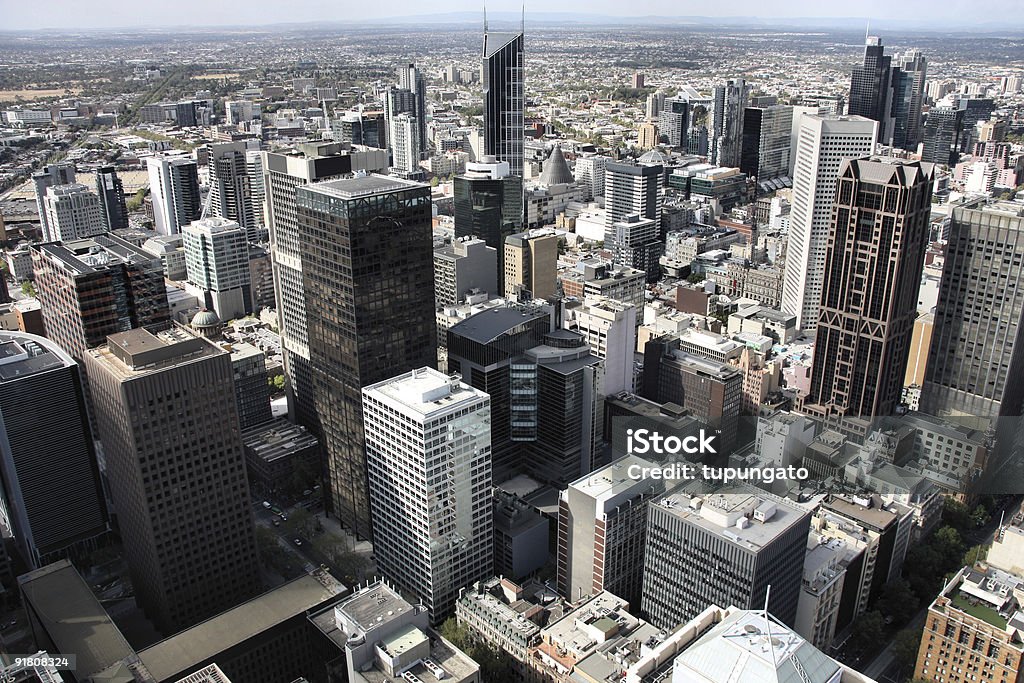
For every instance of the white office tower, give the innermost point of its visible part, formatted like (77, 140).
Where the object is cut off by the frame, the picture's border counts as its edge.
(217, 264)
(72, 212)
(428, 459)
(822, 145)
(609, 327)
(174, 188)
(590, 174)
(403, 136)
(48, 176)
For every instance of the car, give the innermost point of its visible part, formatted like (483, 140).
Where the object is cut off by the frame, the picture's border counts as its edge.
(298, 541)
(308, 492)
(277, 522)
(266, 504)
(284, 517)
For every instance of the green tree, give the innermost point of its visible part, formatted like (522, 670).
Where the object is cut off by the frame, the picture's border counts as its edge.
(950, 547)
(868, 630)
(28, 289)
(897, 600)
(975, 554)
(694, 278)
(980, 516)
(905, 647)
(956, 515)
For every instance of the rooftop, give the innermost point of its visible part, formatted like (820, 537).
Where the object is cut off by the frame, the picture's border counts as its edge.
(23, 355)
(363, 186)
(140, 352)
(612, 480)
(751, 520)
(277, 439)
(425, 391)
(486, 326)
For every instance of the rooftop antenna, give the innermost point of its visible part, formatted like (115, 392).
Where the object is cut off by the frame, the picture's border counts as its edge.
(768, 625)
(522, 22)
(867, 32)
(485, 17)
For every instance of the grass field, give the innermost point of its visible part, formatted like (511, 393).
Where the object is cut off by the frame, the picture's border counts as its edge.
(12, 95)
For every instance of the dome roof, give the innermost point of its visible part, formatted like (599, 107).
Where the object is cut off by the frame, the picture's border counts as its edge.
(205, 318)
(556, 170)
(654, 157)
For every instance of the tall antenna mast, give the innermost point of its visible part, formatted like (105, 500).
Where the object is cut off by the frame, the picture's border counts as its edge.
(768, 625)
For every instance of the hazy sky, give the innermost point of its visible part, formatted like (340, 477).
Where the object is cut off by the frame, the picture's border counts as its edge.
(34, 14)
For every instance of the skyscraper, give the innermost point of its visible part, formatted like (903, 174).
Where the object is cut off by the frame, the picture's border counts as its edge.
(729, 123)
(174, 187)
(871, 89)
(95, 287)
(165, 406)
(941, 135)
(908, 90)
(875, 252)
(631, 190)
(217, 265)
(284, 173)
(48, 176)
(231, 191)
(403, 139)
(977, 351)
(766, 142)
(489, 206)
(51, 482)
(112, 203)
(502, 72)
(822, 145)
(73, 212)
(411, 79)
(428, 456)
(368, 278)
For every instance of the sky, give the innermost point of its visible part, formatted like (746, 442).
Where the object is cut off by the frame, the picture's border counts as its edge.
(63, 14)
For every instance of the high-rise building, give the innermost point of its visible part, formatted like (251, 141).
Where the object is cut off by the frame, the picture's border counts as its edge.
(875, 256)
(165, 406)
(51, 483)
(93, 288)
(489, 206)
(673, 121)
(729, 126)
(609, 327)
(602, 528)
(73, 212)
(722, 549)
(174, 188)
(504, 99)
(977, 348)
(823, 143)
(217, 264)
(589, 173)
(112, 202)
(428, 456)
(871, 89)
(766, 142)
(637, 244)
(531, 264)
(908, 90)
(403, 140)
(368, 278)
(466, 264)
(631, 190)
(232, 195)
(941, 135)
(411, 80)
(48, 176)
(648, 138)
(252, 393)
(284, 173)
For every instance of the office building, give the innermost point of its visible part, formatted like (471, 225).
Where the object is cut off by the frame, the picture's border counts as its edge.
(602, 520)
(765, 147)
(284, 173)
(722, 549)
(233, 185)
(489, 206)
(973, 629)
(871, 89)
(73, 212)
(531, 260)
(876, 250)
(432, 531)
(648, 135)
(631, 190)
(384, 638)
(217, 266)
(597, 278)
(977, 352)
(252, 392)
(504, 97)
(486, 609)
(908, 89)
(51, 482)
(823, 143)
(411, 80)
(464, 265)
(943, 127)
(673, 121)
(92, 288)
(277, 452)
(48, 176)
(404, 144)
(731, 101)
(520, 536)
(112, 202)
(368, 278)
(609, 328)
(174, 189)
(589, 173)
(367, 128)
(165, 406)
(636, 243)
(821, 590)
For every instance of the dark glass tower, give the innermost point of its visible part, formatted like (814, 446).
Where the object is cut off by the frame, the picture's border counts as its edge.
(111, 191)
(368, 278)
(503, 97)
(875, 252)
(942, 129)
(871, 87)
(488, 206)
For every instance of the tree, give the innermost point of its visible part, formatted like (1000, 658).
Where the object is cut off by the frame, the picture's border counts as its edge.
(434, 182)
(898, 601)
(956, 515)
(975, 554)
(300, 523)
(950, 547)
(28, 289)
(868, 630)
(980, 516)
(905, 647)
(694, 278)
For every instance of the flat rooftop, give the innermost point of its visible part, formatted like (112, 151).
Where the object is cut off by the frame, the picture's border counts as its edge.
(425, 392)
(76, 621)
(24, 355)
(277, 439)
(369, 608)
(140, 352)
(613, 479)
(363, 186)
(486, 326)
(720, 513)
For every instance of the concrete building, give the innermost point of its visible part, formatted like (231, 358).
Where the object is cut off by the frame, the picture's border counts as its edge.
(520, 537)
(277, 451)
(631, 190)
(530, 264)
(217, 266)
(601, 531)
(821, 591)
(609, 327)
(49, 176)
(493, 610)
(252, 393)
(235, 192)
(722, 548)
(466, 264)
(73, 212)
(589, 173)
(648, 137)
(823, 143)
(167, 418)
(113, 206)
(170, 249)
(174, 188)
(54, 501)
(594, 278)
(433, 535)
